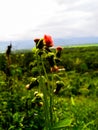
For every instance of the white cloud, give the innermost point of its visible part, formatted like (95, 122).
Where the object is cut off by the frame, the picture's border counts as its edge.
(19, 16)
(26, 19)
(74, 18)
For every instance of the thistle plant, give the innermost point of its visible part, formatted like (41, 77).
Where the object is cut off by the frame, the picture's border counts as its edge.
(43, 54)
(43, 48)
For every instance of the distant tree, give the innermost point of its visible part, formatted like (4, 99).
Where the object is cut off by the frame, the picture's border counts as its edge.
(8, 52)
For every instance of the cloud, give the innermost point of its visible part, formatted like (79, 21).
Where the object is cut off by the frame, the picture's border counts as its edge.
(73, 19)
(19, 16)
(25, 19)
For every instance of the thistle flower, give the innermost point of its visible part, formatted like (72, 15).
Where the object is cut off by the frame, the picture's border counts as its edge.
(36, 40)
(37, 100)
(48, 41)
(27, 86)
(33, 83)
(54, 68)
(58, 51)
(39, 43)
(59, 85)
(59, 48)
(35, 93)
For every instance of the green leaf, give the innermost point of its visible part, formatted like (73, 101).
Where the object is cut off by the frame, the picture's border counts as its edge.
(16, 116)
(72, 101)
(11, 127)
(86, 125)
(63, 123)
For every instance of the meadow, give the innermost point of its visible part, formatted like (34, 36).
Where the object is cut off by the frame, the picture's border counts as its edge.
(49, 91)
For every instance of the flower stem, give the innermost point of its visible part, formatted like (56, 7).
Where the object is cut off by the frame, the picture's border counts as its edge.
(38, 66)
(51, 102)
(46, 105)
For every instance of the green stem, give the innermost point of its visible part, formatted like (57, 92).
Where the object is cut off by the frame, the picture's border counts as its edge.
(46, 105)
(51, 109)
(38, 66)
(51, 102)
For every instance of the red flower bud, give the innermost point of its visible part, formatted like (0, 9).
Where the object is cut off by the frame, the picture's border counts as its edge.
(36, 40)
(59, 48)
(48, 41)
(58, 51)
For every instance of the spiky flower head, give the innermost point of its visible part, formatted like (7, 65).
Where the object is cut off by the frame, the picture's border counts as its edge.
(58, 51)
(59, 48)
(48, 40)
(36, 40)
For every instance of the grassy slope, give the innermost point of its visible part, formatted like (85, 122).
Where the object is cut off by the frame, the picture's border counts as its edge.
(82, 107)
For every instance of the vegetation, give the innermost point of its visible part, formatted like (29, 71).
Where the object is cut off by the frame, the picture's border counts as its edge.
(36, 94)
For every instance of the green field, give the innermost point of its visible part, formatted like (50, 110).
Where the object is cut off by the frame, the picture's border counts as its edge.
(34, 98)
(84, 45)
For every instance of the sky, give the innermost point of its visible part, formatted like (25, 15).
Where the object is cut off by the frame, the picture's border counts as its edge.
(29, 19)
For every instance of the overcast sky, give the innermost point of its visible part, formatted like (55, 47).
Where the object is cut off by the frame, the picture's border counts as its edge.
(28, 19)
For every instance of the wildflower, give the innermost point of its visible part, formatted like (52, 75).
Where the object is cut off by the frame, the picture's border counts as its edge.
(59, 85)
(35, 93)
(36, 40)
(58, 51)
(39, 43)
(54, 68)
(33, 83)
(37, 100)
(59, 48)
(48, 41)
(27, 86)
(39, 95)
